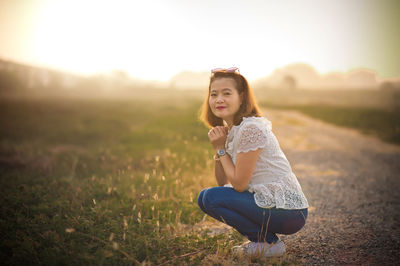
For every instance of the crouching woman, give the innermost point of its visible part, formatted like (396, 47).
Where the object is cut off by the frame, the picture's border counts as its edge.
(257, 193)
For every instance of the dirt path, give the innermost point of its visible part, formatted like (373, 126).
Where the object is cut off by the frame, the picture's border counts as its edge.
(352, 183)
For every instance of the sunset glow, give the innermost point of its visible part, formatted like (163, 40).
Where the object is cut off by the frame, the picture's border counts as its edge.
(158, 39)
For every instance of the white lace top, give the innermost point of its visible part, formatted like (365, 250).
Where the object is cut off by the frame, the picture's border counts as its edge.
(273, 182)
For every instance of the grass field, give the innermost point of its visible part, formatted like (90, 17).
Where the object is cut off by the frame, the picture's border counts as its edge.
(96, 181)
(103, 182)
(372, 121)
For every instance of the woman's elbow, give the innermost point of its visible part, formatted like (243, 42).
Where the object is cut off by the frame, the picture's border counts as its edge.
(241, 184)
(240, 189)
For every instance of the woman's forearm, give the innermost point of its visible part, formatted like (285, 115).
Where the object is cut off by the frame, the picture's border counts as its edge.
(239, 181)
(228, 168)
(220, 174)
(239, 174)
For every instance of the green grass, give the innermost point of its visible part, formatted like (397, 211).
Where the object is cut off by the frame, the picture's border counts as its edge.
(103, 182)
(372, 112)
(384, 124)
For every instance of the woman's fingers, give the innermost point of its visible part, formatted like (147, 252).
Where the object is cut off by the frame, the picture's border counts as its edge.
(220, 131)
(216, 133)
(212, 135)
(212, 132)
(217, 137)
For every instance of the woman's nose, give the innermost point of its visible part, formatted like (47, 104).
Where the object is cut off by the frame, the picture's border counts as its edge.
(219, 99)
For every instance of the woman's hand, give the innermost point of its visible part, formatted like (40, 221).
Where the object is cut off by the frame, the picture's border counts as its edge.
(217, 136)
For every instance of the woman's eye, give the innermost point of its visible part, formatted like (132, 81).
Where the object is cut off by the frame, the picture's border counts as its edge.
(213, 94)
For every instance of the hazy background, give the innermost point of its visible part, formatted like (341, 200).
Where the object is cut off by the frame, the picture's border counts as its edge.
(174, 43)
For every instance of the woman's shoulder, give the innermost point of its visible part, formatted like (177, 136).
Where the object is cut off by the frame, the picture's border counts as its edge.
(260, 122)
(252, 133)
(254, 122)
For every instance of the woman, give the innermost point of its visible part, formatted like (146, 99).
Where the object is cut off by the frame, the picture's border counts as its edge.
(258, 194)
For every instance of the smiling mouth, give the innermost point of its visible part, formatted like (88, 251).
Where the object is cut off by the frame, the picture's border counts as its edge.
(220, 107)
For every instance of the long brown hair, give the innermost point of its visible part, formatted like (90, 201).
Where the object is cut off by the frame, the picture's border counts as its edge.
(248, 108)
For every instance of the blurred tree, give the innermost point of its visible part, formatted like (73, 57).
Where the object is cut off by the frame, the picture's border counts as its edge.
(55, 80)
(120, 78)
(389, 86)
(88, 86)
(289, 82)
(9, 82)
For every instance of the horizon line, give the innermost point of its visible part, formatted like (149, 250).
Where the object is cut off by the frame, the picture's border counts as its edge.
(76, 73)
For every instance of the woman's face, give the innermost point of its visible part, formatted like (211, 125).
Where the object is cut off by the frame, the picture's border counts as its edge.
(224, 99)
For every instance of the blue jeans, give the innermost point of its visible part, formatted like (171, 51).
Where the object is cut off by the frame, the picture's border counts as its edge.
(239, 210)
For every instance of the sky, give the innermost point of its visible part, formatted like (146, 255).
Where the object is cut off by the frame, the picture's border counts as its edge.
(156, 39)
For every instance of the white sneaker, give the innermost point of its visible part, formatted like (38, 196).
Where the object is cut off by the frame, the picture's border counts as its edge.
(260, 249)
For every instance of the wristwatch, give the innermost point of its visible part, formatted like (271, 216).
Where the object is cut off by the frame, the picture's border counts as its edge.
(221, 152)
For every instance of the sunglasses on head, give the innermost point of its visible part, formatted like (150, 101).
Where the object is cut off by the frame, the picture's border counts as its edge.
(226, 70)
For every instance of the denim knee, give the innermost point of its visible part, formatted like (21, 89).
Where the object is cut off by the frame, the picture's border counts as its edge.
(200, 200)
(209, 198)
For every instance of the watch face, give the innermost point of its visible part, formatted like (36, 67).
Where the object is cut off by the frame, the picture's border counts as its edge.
(221, 152)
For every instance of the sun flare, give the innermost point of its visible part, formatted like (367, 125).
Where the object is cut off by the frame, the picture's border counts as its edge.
(157, 39)
(92, 37)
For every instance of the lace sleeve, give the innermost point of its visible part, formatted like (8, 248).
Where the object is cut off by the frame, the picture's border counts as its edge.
(251, 138)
